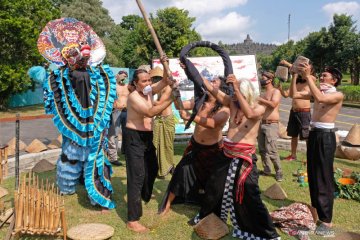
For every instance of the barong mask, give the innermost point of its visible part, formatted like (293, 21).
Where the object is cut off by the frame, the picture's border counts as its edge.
(67, 41)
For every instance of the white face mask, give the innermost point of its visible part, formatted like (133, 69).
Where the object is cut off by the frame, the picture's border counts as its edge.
(147, 90)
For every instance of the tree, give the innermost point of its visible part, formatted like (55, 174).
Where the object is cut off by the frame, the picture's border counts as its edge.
(174, 30)
(20, 25)
(344, 45)
(95, 15)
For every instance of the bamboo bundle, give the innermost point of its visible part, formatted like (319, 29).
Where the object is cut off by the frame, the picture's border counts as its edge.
(39, 209)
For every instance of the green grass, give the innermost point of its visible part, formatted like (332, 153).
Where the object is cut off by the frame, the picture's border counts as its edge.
(174, 226)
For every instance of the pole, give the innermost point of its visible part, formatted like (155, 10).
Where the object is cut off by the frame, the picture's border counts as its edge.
(17, 130)
(175, 92)
(289, 28)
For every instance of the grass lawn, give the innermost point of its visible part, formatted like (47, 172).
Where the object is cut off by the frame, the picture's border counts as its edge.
(174, 226)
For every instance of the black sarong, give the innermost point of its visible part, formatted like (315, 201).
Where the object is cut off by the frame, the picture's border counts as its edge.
(252, 218)
(141, 169)
(320, 162)
(192, 173)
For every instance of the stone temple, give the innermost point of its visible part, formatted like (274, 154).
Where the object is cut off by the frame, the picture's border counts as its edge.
(249, 47)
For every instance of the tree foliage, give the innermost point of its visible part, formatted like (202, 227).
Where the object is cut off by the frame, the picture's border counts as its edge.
(20, 25)
(174, 30)
(338, 45)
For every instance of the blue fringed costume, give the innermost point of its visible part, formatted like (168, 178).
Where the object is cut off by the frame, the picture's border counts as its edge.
(80, 95)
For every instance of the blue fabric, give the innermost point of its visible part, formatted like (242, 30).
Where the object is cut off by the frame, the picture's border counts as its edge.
(90, 151)
(38, 74)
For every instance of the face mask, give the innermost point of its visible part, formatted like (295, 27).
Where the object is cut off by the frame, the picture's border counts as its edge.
(147, 90)
(263, 82)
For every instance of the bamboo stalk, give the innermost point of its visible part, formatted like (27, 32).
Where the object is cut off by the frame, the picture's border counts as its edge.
(175, 92)
(63, 221)
(19, 211)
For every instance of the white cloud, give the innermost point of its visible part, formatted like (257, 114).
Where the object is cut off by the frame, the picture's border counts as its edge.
(196, 8)
(200, 8)
(349, 8)
(229, 29)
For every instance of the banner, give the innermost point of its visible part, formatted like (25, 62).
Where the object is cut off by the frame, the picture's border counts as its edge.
(244, 68)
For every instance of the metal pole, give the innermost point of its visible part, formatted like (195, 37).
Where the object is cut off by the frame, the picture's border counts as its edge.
(175, 92)
(289, 28)
(17, 131)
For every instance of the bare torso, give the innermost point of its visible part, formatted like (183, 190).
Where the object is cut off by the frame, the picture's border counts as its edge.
(123, 94)
(241, 129)
(271, 113)
(167, 111)
(209, 136)
(301, 103)
(136, 120)
(325, 112)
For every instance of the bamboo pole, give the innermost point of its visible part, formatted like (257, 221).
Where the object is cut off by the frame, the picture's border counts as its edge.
(175, 92)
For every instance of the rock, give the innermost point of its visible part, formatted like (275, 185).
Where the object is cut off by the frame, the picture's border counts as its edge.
(275, 192)
(43, 166)
(283, 132)
(12, 144)
(36, 146)
(352, 153)
(353, 137)
(339, 153)
(54, 144)
(59, 138)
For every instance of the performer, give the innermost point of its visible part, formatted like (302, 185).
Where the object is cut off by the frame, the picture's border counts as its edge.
(164, 129)
(141, 162)
(269, 128)
(300, 115)
(80, 94)
(322, 141)
(197, 164)
(117, 117)
(234, 185)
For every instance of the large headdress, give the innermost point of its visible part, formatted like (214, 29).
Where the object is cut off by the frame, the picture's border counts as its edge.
(69, 41)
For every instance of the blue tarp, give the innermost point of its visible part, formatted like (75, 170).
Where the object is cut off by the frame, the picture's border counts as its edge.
(30, 97)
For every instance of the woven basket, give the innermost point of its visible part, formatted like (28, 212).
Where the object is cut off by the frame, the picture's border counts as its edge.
(211, 227)
(91, 231)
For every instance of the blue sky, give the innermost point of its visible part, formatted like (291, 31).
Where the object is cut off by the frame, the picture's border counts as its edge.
(231, 20)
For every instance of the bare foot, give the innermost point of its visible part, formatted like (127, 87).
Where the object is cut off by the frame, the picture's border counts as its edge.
(165, 212)
(137, 227)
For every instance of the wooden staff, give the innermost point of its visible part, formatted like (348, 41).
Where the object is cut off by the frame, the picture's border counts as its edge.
(175, 92)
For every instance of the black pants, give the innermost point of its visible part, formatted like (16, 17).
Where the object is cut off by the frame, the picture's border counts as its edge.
(320, 161)
(141, 170)
(252, 215)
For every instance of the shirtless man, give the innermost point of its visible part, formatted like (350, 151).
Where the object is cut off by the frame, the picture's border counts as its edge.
(269, 128)
(322, 141)
(300, 115)
(141, 162)
(191, 174)
(164, 129)
(123, 93)
(117, 117)
(237, 168)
